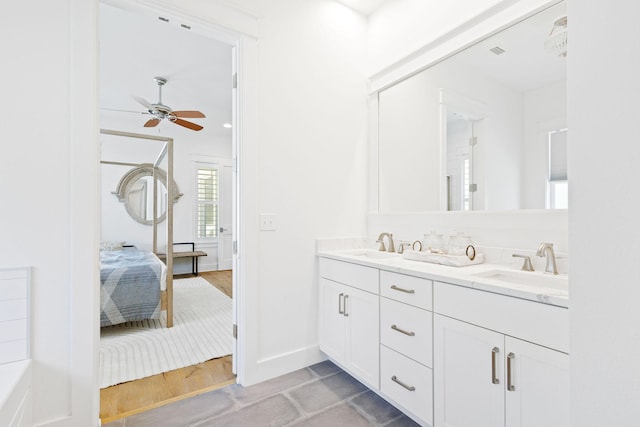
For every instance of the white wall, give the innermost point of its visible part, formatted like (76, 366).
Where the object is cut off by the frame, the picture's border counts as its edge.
(49, 184)
(603, 84)
(312, 173)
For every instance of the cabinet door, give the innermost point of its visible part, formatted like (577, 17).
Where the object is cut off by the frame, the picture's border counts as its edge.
(540, 385)
(362, 312)
(332, 321)
(468, 375)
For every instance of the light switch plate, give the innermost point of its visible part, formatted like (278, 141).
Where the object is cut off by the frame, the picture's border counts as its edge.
(267, 222)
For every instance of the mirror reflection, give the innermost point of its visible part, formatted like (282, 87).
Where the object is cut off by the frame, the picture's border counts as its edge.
(140, 198)
(485, 129)
(135, 190)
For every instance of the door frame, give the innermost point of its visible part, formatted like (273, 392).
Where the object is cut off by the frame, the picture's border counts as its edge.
(239, 31)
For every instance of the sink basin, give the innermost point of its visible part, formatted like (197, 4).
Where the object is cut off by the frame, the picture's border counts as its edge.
(371, 253)
(540, 280)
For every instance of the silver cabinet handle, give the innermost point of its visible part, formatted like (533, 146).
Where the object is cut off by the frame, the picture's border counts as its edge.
(510, 385)
(406, 291)
(340, 304)
(397, 381)
(402, 331)
(494, 354)
(345, 306)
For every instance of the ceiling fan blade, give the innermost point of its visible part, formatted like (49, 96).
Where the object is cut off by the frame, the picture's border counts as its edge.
(152, 123)
(188, 125)
(143, 102)
(189, 114)
(124, 111)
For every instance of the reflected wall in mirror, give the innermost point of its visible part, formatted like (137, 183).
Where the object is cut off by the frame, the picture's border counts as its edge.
(135, 190)
(484, 129)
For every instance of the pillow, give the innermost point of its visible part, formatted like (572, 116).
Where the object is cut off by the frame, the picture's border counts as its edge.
(107, 245)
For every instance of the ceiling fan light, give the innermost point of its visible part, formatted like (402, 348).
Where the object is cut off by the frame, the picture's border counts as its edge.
(556, 42)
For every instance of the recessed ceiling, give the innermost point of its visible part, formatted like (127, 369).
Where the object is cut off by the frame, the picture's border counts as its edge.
(135, 48)
(366, 7)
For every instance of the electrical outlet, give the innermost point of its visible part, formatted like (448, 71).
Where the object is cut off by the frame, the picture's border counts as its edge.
(267, 222)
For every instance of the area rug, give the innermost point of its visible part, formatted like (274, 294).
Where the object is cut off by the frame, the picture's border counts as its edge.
(201, 331)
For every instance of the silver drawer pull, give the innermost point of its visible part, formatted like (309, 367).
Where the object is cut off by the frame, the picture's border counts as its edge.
(408, 387)
(340, 304)
(510, 385)
(494, 353)
(345, 306)
(402, 331)
(407, 291)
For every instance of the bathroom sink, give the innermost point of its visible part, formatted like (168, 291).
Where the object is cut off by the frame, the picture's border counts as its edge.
(372, 253)
(536, 279)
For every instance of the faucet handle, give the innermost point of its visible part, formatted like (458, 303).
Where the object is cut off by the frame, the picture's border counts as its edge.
(382, 248)
(403, 245)
(526, 265)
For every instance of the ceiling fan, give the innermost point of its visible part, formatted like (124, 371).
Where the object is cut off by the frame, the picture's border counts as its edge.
(159, 111)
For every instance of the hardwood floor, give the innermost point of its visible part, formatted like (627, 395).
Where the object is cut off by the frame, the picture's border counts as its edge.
(134, 397)
(219, 279)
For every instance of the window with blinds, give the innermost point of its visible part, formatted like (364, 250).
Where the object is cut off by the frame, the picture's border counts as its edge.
(557, 183)
(208, 192)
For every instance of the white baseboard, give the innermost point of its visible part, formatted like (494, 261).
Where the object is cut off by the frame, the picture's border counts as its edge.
(282, 364)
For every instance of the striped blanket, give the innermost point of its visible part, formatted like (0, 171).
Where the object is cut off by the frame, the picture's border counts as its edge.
(130, 282)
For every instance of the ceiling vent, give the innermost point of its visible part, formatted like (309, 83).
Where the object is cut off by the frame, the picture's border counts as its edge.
(497, 50)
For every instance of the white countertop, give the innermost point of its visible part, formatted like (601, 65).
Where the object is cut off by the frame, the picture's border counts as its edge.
(462, 276)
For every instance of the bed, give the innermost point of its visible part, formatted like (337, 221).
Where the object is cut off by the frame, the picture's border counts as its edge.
(136, 284)
(132, 283)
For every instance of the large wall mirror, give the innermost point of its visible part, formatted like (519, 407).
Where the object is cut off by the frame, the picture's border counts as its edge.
(135, 190)
(484, 129)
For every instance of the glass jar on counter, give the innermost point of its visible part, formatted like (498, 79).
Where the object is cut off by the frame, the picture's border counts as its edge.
(434, 243)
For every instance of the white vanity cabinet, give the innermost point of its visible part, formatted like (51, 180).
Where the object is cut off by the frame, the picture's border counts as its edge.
(486, 377)
(447, 355)
(349, 318)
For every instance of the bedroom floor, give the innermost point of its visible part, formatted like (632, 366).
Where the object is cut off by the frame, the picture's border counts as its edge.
(133, 397)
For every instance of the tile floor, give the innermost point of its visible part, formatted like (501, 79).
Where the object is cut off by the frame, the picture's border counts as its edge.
(321, 395)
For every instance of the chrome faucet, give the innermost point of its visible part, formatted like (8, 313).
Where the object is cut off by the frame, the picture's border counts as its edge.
(381, 241)
(546, 249)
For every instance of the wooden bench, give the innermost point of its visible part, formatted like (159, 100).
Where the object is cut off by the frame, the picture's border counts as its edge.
(193, 254)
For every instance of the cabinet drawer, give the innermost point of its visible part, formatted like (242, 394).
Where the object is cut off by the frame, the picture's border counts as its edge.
(358, 276)
(408, 289)
(407, 330)
(531, 321)
(415, 393)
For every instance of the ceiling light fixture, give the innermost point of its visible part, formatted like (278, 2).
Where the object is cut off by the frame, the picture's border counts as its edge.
(227, 125)
(556, 42)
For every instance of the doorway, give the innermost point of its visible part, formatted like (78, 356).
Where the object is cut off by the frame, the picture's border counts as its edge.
(189, 67)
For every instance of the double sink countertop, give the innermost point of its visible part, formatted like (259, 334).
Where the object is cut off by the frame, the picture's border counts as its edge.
(496, 278)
